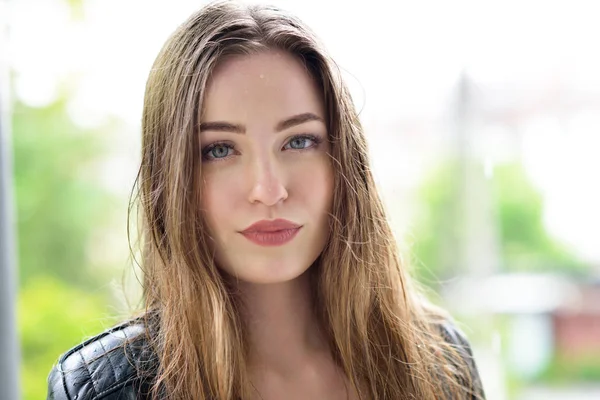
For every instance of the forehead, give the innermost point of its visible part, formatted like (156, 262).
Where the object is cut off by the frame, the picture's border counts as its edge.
(259, 87)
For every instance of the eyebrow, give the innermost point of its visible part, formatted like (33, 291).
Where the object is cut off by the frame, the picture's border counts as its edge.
(221, 126)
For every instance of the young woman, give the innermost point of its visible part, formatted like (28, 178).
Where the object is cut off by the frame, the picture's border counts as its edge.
(270, 270)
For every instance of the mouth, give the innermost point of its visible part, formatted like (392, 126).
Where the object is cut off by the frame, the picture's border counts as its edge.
(271, 233)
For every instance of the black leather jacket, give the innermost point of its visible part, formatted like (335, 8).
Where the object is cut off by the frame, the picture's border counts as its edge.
(107, 366)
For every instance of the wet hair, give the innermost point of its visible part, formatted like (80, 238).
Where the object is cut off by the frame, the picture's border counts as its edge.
(381, 331)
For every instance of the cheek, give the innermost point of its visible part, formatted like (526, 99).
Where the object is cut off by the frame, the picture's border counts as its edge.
(219, 193)
(314, 185)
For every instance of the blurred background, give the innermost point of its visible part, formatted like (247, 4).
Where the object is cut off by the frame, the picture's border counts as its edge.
(483, 120)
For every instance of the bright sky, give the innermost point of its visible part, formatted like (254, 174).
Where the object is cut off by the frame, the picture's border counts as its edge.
(401, 59)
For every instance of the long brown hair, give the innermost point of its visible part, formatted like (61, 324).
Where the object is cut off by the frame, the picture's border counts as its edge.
(383, 335)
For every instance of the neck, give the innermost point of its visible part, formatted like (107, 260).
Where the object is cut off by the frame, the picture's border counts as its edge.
(282, 327)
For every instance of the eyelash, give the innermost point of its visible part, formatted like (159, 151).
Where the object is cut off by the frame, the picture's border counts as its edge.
(206, 150)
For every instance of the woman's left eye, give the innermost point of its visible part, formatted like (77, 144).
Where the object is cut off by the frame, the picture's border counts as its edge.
(301, 142)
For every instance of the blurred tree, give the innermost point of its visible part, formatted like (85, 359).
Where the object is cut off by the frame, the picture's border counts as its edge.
(59, 202)
(60, 208)
(525, 243)
(54, 316)
(434, 229)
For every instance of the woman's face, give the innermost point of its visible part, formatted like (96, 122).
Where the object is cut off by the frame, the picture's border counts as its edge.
(267, 176)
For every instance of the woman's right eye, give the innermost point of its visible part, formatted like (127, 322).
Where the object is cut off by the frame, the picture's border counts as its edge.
(217, 151)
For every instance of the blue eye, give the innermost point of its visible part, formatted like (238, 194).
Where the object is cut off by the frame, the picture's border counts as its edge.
(301, 142)
(217, 151)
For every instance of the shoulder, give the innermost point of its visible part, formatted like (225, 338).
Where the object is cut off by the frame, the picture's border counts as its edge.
(453, 335)
(458, 340)
(104, 367)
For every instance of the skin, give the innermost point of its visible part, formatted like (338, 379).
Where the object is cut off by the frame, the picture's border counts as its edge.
(265, 171)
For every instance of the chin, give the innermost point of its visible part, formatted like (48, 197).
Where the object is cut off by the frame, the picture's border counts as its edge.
(267, 273)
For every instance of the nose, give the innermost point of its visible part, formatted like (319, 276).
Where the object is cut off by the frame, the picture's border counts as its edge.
(267, 185)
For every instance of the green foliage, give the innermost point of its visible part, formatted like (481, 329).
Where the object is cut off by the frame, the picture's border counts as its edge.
(58, 201)
(575, 368)
(53, 317)
(60, 206)
(435, 229)
(525, 245)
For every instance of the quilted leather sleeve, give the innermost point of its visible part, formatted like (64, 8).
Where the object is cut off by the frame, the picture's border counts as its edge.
(459, 341)
(99, 369)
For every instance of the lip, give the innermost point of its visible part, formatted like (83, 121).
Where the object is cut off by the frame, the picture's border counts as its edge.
(271, 233)
(271, 226)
